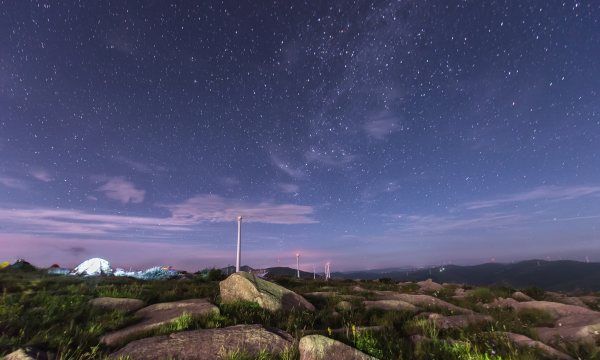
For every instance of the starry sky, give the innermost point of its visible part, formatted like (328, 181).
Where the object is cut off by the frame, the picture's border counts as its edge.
(369, 134)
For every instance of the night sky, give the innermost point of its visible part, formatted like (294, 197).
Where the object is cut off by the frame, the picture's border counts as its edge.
(370, 133)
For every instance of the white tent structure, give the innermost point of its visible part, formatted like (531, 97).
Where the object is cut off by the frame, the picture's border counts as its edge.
(93, 267)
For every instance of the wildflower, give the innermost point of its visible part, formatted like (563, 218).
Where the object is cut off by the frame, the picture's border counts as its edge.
(329, 331)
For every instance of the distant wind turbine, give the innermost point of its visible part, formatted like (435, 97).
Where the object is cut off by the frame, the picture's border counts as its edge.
(238, 258)
(298, 264)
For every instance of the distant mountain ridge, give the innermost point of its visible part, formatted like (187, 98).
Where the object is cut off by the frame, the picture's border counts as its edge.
(561, 275)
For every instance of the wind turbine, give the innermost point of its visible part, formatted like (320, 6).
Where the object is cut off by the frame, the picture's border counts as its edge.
(298, 265)
(238, 258)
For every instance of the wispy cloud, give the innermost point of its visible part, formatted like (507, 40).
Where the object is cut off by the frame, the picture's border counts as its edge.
(332, 157)
(230, 181)
(119, 189)
(287, 167)
(382, 125)
(288, 188)
(75, 222)
(183, 216)
(13, 183)
(146, 168)
(376, 189)
(447, 223)
(41, 175)
(552, 193)
(214, 208)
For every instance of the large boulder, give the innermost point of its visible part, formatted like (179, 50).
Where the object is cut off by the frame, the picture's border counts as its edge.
(319, 347)
(207, 344)
(429, 286)
(121, 304)
(520, 296)
(243, 286)
(154, 316)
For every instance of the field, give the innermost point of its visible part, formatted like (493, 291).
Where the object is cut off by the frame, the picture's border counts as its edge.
(52, 314)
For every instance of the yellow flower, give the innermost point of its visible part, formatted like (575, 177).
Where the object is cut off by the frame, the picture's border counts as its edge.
(353, 330)
(329, 331)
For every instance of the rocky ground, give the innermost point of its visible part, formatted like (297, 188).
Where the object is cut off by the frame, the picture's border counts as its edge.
(245, 317)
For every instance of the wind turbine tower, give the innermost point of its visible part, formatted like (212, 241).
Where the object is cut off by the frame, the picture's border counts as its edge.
(298, 265)
(238, 258)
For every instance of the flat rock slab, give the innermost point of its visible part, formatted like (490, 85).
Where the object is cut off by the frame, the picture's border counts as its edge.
(389, 305)
(122, 304)
(579, 328)
(332, 294)
(319, 347)
(156, 315)
(243, 286)
(554, 309)
(459, 321)
(422, 301)
(207, 344)
(564, 299)
(590, 300)
(525, 342)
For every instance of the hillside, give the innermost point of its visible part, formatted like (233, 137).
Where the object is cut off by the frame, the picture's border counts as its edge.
(564, 275)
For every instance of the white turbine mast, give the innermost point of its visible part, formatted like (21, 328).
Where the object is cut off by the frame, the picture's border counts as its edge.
(298, 265)
(238, 257)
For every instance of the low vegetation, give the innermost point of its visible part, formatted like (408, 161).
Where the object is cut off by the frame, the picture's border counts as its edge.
(51, 313)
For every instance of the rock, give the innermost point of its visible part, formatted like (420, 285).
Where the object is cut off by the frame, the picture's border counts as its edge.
(359, 288)
(319, 347)
(18, 355)
(29, 353)
(123, 304)
(461, 294)
(429, 286)
(343, 306)
(525, 342)
(243, 286)
(207, 344)
(554, 309)
(156, 315)
(519, 296)
(332, 294)
(579, 328)
(423, 301)
(389, 305)
(574, 324)
(459, 321)
(590, 300)
(564, 299)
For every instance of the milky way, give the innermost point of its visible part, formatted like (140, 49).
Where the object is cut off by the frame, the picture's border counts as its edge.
(368, 134)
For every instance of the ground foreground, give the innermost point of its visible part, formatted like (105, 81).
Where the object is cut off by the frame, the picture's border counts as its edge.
(244, 317)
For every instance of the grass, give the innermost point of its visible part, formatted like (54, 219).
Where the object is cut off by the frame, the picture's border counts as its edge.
(51, 313)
